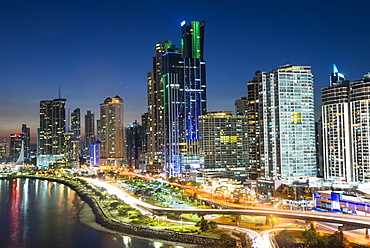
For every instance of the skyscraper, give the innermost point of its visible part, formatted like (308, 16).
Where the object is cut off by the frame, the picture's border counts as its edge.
(26, 142)
(336, 129)
(112, 131)
(16, 140)
(76, 124)
(134, 140)
(89, 131)
(54, 119)
(360, 123)
(176, 97)
(285, 122)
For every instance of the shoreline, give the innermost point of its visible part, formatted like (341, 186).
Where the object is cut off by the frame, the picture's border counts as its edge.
(103, 221)
(86, 218)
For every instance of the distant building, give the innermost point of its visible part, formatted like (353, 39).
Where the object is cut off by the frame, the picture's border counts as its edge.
(319, 148)
(112, 147)
(241, 106)
(94, 154)
(4, 151)
(281, 117)
(16, 140)
(90, 136)
(134, 138)
(223, 145)
(26, 142)
(76, 124)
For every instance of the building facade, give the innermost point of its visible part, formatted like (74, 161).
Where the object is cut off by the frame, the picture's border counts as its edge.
(223, 145)
(282, 104)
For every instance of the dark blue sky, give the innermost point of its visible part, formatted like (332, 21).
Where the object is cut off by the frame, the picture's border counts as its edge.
(95, 49)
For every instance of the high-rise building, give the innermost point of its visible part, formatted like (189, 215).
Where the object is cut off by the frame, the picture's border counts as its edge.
(16, 140)
(134, 140)
(112, 131)
(26, 142)
(319, 148)
(76, 124)
(241, 106)
(360, 128)
(89, 131)
(60, 125)
(176, 97)
(336, 129)
(223, 145)
(44, 132)
(4, 151)
(284, 102)
(54, 119)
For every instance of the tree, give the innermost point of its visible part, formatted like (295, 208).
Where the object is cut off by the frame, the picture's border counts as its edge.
(337, 241)
(323, 242)
(312, 237)
(212, 225)
(285, 239)
(203, 225)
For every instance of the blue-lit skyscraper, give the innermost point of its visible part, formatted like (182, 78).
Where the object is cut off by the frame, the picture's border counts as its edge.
(176, 97)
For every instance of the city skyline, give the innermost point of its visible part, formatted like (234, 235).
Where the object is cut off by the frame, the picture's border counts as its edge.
(90, 51)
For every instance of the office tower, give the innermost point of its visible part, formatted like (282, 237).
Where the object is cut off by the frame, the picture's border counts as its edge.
(134, 138)
(44, 132)
(112, 131)
(76, 124)
(53, 126)
(16, 140)
(223, 145)
(73, 150)
(285, 101)
(176, 97)
(60, 125)
(241, 106)
(336, 129)
(360, 123)
(26, 142)
(89, 131)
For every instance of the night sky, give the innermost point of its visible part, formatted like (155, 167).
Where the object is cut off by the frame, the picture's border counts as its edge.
(94, 49)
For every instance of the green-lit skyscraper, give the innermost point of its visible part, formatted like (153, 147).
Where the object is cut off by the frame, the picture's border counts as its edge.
(176, 97)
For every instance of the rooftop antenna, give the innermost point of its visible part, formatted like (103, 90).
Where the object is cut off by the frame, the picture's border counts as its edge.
(59, 93)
